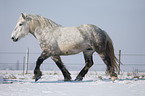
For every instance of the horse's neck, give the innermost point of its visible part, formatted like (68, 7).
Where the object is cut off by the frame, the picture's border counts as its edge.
(41, 33)
(40, 29)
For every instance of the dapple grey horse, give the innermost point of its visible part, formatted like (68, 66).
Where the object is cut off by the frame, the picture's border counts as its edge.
(56, 40)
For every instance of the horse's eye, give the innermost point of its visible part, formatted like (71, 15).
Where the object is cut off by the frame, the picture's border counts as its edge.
(20, 24)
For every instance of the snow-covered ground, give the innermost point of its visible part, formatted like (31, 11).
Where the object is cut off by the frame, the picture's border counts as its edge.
(14, 83)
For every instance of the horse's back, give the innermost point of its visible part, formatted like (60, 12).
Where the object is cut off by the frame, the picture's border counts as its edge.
(93, 32)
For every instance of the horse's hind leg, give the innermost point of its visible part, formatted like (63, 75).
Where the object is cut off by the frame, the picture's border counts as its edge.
(64, 71)
(110, 67)
(88, 63)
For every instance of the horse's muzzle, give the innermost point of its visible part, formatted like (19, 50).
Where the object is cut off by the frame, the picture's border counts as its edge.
(14, 39)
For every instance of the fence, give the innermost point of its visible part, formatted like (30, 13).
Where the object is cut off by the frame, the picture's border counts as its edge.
(16, 61)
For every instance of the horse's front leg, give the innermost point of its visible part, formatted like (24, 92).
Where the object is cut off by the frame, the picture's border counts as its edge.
(37, 73)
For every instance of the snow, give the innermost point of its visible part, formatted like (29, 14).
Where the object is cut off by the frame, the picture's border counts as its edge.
(14, 83)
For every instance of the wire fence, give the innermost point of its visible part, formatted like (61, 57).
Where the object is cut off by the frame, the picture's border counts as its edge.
(15, 61)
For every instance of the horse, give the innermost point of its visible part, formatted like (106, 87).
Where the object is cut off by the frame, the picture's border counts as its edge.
(56, 40)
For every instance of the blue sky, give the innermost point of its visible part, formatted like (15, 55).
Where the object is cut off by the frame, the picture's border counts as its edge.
(123, 20)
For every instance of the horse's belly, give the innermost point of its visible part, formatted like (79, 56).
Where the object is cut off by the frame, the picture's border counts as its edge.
(68, 50)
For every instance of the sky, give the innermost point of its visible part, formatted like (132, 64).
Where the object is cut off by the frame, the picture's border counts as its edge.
(123, 20)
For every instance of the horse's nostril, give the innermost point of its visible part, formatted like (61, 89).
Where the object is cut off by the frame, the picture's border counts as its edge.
(16, 39)
(12, 38)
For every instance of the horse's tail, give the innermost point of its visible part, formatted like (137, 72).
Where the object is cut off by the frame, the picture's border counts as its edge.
(110, 52)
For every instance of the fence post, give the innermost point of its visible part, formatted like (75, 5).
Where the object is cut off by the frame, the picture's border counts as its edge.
(23, 65)
(17, 66)
(119, 61)
(27, 59)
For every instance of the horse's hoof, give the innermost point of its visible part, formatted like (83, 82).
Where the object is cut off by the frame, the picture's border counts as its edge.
(67, 80)
(37, 78)
(113, 78)
(79, 79)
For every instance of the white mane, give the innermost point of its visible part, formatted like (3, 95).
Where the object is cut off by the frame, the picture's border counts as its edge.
(36, 20)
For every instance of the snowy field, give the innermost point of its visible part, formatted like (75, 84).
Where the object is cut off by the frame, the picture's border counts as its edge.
(14, 83)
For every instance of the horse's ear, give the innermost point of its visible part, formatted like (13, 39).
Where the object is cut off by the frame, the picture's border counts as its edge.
(23, 16)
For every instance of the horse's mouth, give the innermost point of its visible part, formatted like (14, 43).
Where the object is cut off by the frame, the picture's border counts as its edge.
(14, 39)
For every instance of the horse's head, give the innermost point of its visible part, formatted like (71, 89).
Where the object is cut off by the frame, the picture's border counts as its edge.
(21, 29)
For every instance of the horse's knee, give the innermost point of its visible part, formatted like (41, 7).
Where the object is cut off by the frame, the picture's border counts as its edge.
(39, 60)
(89, 64)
